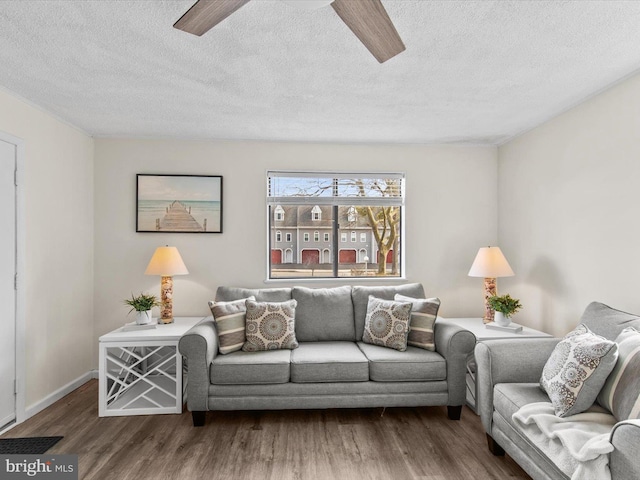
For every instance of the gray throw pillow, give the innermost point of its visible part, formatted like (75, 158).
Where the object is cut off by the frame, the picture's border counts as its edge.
(577, 369)
(387, 323)
(270, 326)
(230, 324)
(621, 392)
(424, 312)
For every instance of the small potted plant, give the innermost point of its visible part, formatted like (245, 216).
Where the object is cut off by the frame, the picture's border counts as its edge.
(142, 305)
(505, 306)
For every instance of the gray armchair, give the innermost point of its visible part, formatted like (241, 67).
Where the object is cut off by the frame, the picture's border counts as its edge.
(508, 374)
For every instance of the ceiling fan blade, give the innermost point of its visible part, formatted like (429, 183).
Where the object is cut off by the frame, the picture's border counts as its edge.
(369, 21)
(206, 14)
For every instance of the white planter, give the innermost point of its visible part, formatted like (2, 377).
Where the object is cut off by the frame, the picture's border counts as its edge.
(501, 320)
(143, 318)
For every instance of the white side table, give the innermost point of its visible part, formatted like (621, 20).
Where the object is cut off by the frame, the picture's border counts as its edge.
(478, 328)
(140, 371)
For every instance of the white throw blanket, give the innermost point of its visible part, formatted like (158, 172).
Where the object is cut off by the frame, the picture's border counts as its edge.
(579, 445)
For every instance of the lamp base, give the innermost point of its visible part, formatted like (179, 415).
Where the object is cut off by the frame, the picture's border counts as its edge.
(490, 290)
(166, 300)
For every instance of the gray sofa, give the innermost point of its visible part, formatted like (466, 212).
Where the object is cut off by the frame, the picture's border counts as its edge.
(332, 367)
(508, 374)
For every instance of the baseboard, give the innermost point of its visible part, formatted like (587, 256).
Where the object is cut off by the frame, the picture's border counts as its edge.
(58, 394)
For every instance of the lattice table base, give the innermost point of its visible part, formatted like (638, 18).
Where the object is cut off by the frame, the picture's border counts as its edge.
(140, 380)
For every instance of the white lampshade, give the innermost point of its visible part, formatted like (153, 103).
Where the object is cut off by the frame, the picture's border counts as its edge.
(166, 261)
(490, 263)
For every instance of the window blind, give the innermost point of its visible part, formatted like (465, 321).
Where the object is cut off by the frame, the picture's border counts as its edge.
(332, 188)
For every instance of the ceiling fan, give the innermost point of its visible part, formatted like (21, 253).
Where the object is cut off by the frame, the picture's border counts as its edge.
(367, 19)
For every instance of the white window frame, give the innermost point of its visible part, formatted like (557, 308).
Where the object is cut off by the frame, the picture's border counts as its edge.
(288, 236)
(354, 236)
(343, 237)
(305, 237)
(327, 237)
(278, 236)
(277, 195)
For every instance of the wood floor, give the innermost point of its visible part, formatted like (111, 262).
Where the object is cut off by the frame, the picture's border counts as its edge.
(402, 443)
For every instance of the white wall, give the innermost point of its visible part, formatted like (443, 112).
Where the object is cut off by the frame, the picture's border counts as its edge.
(569, 210)
(59, 247)
(451, 205)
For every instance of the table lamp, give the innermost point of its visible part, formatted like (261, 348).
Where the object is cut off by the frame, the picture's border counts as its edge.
(166, 262)
(490, 264)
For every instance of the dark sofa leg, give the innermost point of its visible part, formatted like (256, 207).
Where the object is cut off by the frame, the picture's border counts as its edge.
(454, 412)
(494, 448)
(198, 418)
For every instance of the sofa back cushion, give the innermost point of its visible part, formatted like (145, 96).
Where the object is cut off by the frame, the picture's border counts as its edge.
(229, 294)
(360, 297)
(324, 314)
(608, 322)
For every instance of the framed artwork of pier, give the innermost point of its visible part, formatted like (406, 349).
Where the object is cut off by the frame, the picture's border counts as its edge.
(178, 203)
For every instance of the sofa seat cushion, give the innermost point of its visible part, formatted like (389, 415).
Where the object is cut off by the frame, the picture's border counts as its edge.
(412, 365)
(318, 362)
(248, 368)
(509, 397)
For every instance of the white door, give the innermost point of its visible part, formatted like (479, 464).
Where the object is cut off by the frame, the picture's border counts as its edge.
(7, 283)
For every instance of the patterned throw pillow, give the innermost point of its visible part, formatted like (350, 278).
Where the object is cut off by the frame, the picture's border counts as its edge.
(423, 316)
(270, 326)
(230, 324)
(577, 370)
(621, 391)
(387, 323)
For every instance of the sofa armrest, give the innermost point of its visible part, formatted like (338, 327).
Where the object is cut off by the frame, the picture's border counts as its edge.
(200, 346)
(623, 461)
(507, 361)
(455, 344)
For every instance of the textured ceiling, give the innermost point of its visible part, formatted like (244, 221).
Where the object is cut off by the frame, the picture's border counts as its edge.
(474, 72)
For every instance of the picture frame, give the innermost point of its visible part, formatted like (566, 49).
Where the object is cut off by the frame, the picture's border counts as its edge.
(178, 203)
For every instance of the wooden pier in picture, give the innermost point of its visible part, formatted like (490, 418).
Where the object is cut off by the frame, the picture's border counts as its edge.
(178, 219)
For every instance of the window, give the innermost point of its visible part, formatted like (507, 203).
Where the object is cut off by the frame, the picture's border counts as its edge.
(352, 214)
(348, 204)
(279, 213)
(288, 236)
(278, 236)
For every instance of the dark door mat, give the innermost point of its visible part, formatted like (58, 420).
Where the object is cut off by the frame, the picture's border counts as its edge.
(27, 446)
